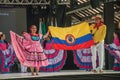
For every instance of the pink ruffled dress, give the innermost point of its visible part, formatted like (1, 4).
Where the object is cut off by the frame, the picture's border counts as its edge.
(29, 50)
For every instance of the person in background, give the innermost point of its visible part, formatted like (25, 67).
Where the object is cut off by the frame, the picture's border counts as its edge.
(7, 55)
(29, 50)
(23, 68)
(55, 57)
(114, 48)
(98, 30)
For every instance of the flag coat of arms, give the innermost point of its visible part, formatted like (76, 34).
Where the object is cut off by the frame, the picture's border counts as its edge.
(72, 38)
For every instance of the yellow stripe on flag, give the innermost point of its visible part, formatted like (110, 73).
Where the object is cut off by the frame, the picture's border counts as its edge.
(77, 31)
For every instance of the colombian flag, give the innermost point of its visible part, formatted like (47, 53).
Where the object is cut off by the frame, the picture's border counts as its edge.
(72, 38)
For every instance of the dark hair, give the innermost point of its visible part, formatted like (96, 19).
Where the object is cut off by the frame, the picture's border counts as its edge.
(31, 26)
(1, 36)
(117, 31)
(4, 40)
(23, 32)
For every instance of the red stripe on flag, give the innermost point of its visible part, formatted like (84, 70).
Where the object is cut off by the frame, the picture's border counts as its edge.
(79, 46)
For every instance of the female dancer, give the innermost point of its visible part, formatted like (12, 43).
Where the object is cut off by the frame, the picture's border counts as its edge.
(28, 49)
(7, 55)
(114, 49)
(55, 57)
